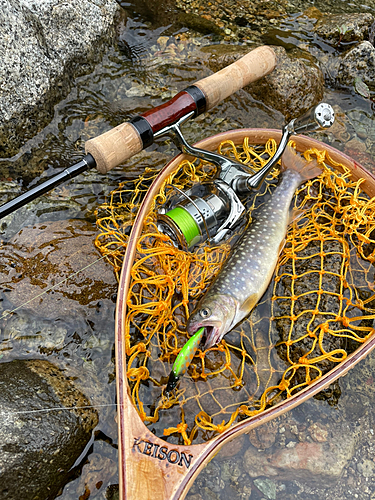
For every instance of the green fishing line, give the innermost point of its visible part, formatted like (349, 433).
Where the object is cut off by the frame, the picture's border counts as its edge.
(185, 222)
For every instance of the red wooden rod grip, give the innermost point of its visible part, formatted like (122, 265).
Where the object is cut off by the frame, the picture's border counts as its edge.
(170, 112)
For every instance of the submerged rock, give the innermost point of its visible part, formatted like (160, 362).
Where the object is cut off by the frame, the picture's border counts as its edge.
(43, 45)
(358, 63)
(39, 447)
(101, 468)
(267, 487)
(344, 28)
(307, 456)
(46, 254)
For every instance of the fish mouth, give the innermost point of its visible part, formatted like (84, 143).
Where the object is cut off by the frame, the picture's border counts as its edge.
(212, 336)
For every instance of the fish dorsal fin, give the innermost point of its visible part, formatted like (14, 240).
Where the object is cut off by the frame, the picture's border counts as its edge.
(249, 303)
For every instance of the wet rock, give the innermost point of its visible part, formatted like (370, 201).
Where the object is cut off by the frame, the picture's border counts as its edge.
(23, 332)
(43, 45)
(267, 487)
(366, 468)
(201, 24)
(318, 432)
(112, 492)
(263, 437)
(222, 479)
(233, 447)
(45, 208)
(359, 62)
(363, 125)
(293, 87)
(99, 470)
(357, 150)
(43, 256)
(245, 20)
(344, 28)
(212, 480)
(313, 463)
(39, 447)
(230, 470)
(196, 496)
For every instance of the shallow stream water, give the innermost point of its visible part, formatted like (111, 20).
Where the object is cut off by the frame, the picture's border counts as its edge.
(141, 72)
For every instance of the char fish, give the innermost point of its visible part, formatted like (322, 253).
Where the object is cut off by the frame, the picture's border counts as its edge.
(247, 273)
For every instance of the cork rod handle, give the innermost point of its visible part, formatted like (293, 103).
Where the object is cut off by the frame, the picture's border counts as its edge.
(251, 67)
(122, 142)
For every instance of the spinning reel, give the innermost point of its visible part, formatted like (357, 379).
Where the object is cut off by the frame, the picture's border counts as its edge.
(211, 210)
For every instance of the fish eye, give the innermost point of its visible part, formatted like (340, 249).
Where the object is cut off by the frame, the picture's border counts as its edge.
(205, 312)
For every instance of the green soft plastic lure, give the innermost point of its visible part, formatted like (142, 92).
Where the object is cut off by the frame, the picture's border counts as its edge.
(184, 359)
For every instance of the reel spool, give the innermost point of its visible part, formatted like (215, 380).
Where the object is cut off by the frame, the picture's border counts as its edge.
(205, 212)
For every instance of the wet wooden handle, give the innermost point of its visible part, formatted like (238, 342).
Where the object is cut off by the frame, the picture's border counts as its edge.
(121, 143)
(254, 65)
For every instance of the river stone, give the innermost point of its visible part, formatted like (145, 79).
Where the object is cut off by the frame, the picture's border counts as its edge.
(314, 463)
(344, 28)
(358, 63)
(267, 487)
(293, 87)
(44, 255)
(38, 448)
(43, 45)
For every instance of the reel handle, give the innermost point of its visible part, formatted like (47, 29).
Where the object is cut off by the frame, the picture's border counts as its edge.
(122, 142)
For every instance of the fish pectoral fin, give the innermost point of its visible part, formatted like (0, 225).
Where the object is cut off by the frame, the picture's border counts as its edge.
(282, 245)
(249, 303)
(296, 213)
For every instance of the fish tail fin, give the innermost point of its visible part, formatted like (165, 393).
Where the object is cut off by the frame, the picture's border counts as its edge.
(306, 169)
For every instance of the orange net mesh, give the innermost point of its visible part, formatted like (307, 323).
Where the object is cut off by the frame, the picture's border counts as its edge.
(319, 307)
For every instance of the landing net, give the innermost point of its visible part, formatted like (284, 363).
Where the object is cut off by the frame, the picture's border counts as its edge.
(319, 307)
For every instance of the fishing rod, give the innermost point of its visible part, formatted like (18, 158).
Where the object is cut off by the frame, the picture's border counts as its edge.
(129, 138)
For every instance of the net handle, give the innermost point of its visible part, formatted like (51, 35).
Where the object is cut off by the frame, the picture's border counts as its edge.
(122, 142)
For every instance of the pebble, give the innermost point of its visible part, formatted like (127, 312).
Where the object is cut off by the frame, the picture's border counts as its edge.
(267, 487)
(366, 468)
(318, 432)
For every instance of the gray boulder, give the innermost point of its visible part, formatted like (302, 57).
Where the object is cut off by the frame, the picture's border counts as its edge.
(40, 439)
(43, 45)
